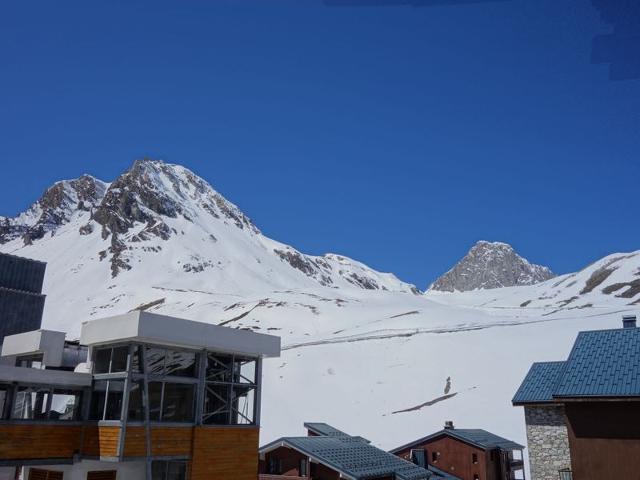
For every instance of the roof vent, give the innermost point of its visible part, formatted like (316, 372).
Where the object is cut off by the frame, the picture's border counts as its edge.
(448, 425)
(629, 321)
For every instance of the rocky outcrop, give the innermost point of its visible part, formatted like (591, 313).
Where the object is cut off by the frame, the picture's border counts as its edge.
(491, 265)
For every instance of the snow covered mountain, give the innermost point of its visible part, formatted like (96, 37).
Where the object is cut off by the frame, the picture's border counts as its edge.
(491, 265)
(362, 349)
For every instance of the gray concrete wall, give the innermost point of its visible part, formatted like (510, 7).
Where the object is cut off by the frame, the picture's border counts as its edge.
(548, 441)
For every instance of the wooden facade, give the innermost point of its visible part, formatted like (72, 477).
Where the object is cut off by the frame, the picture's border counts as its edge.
(222, 453)
(24, 442)
(604, 439)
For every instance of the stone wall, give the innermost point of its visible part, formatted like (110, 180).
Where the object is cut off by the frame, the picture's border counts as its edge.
(548, 441)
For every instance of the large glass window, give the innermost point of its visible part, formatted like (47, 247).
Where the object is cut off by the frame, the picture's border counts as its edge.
(166, 470)
(4, 399)
(31, 404)
(136, 405)
(106, 400)
(163, 362)
(230, 395)
(65, 405)
(110, 360)
(171, 402)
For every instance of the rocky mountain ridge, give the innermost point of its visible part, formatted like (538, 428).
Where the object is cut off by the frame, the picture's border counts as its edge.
(154, 204)
(490, 265)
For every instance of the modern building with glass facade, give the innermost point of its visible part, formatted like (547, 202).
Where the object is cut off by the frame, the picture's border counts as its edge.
(140, 396)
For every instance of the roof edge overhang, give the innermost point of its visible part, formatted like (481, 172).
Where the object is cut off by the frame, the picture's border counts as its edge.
(595, 398)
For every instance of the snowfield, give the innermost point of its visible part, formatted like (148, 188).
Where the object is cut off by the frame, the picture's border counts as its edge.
(358, 345)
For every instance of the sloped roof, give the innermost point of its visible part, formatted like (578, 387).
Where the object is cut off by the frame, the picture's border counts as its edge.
(602, 363)
(539, 383)
(352, 457)
(474, 436)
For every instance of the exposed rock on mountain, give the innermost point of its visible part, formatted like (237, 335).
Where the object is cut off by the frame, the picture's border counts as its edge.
(491, 265)
(162, 216)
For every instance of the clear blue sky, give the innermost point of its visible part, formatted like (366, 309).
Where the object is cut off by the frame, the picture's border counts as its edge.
(393, 134)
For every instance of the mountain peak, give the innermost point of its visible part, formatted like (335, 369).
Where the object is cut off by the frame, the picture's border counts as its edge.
(491, 265)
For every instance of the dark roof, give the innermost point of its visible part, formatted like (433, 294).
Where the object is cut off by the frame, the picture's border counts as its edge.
(352, 457)
(539, 383)
(324, 429)
(602, 363)
(474, 436)
(441, 473)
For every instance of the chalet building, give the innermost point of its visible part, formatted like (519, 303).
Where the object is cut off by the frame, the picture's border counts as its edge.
(160, 398)
(467, 454)
(583, 414)
(21, 299)
(327, 453)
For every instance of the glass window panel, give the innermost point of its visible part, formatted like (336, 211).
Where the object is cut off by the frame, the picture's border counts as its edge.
(155, 361)
(101, 360)
(158, 470)
(219, 368)
(177, 405)
(3, 400)
(181, 364)
(177, 471)
(98, 397)
(136, 359)
(245, 371)
(155, 400)
(30, 404)
(119, 359)
(216, 404)
(115, 396)
(243, 403)
(65, 405)
(136, 408)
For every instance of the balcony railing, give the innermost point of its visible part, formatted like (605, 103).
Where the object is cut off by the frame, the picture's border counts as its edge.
(565, 474)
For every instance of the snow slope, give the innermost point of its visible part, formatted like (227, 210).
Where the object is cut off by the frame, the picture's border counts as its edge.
(358, 344)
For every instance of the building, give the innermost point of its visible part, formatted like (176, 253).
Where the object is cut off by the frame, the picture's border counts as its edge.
(160, 398)
(469, 454)
(21, 299)
(582, 414)
(327, 453)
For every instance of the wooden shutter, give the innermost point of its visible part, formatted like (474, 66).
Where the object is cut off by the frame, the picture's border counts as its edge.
(39, 474)
(102, 475)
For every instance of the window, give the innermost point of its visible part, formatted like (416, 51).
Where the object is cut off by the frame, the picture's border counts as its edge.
(106, 400)
(303, 467)
(65, 405)
(30, 361)
(474, 458)
(434, 456)
(136, 406)
(31, 404)
(171, 362)
(39, 474)
(476, 476)
(230, 396)
(171, 402)
(167, 470)
(4, 397)
(102, 475)
(110, 360)
(418, 457)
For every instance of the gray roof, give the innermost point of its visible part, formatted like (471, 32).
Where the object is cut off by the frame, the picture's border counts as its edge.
(539, 383)
(352, 457)
(602, 363)
(474, 436)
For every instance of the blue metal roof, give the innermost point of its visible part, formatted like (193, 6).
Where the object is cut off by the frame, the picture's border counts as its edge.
(603, 363)
(475, 436)
(352, 457)
(441, 474)
(538, 385)
(324, 429)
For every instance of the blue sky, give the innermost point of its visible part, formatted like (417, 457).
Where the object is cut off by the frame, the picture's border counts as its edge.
(398, 135)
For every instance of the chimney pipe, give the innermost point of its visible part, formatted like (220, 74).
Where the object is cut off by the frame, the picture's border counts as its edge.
(448, 425)
(629, 321)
